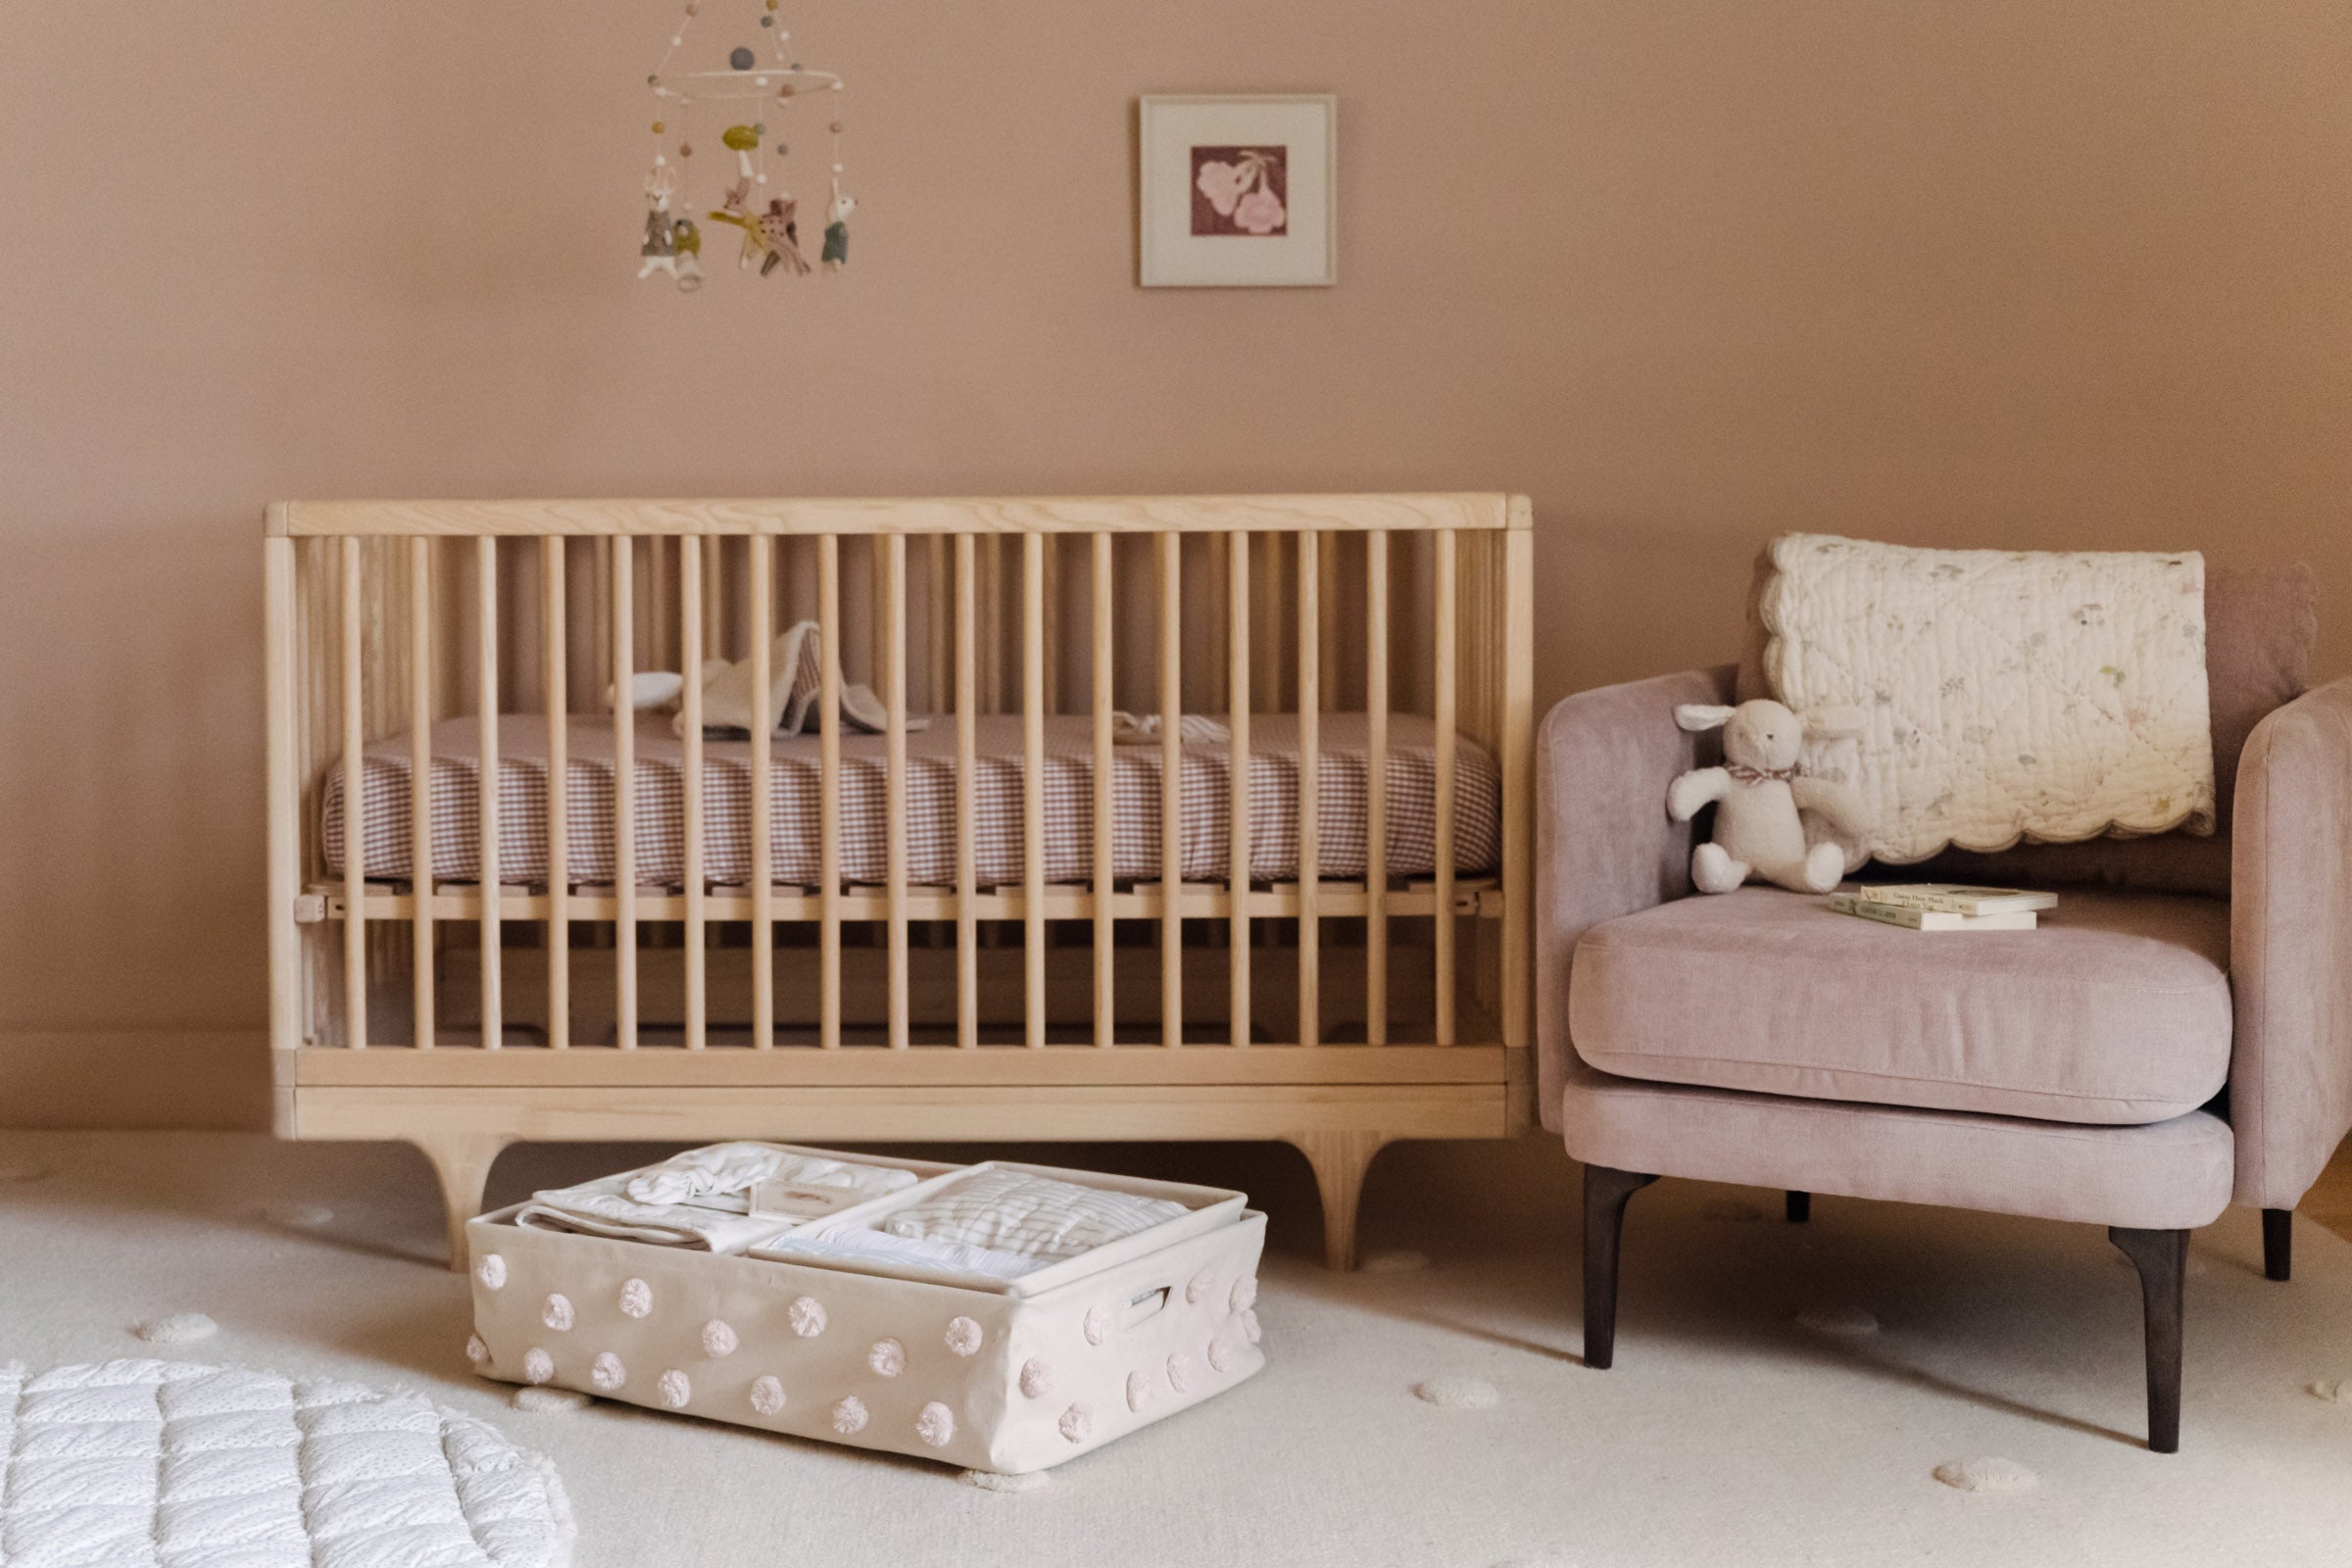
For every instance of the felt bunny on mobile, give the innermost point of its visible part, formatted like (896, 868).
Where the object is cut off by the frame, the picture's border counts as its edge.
(1758, 793)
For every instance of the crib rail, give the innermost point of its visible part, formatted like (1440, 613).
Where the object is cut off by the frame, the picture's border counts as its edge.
(388, 619)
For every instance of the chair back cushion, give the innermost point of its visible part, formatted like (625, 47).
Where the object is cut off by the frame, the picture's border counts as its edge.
(2261, 623)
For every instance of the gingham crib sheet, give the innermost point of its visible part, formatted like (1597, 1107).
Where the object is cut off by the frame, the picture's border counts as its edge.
(1068, 799)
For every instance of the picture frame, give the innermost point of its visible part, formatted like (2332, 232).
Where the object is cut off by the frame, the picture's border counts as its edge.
(1239, 191)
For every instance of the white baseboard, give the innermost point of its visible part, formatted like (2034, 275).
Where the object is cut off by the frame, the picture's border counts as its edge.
(134, 1078)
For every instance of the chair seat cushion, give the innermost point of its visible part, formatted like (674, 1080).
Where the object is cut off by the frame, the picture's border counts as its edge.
(2115, 1011)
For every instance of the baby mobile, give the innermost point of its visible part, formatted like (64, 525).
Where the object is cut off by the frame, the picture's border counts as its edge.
(754, 101)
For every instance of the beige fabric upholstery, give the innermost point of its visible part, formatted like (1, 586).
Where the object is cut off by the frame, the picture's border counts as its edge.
(2169, 1175)
(2291, 1089)
(2115, 1011)
(1604, 845)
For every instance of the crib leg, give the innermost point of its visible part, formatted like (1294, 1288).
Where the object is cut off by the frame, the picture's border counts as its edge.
(1340, 1159)
(463, 1162)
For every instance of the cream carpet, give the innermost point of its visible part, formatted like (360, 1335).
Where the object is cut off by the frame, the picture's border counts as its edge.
(1729, 1433)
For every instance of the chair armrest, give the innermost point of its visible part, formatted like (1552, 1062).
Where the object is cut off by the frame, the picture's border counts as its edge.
(2290, 946)
(1604, 845)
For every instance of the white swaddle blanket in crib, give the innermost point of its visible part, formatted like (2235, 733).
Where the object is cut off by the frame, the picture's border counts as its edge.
(702, 1198)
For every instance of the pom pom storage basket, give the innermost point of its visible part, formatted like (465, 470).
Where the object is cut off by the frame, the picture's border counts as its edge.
(1005, 1376)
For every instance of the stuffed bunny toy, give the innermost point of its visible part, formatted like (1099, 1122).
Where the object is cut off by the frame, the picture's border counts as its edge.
(1758, 795)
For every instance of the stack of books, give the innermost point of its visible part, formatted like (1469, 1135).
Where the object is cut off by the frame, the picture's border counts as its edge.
(1942, 906)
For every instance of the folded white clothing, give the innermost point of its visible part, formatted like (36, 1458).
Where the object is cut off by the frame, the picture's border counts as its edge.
(858, 1242)
(722, 1176)
(602, 1209)
(1033, 1216)
(1194, 729)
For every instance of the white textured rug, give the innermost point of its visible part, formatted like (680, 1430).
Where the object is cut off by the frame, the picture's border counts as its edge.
(1783, 1394)
(172, 1464)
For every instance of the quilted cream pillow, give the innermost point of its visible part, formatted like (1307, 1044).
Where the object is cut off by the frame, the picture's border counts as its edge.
(2013, 696)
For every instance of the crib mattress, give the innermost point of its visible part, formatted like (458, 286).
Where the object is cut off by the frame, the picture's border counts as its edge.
(1068, 802)
(997, 1376)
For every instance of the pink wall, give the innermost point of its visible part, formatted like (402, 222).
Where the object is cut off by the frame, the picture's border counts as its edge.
(1690, 272)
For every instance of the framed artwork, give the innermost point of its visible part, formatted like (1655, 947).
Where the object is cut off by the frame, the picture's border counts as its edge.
(1239, 192)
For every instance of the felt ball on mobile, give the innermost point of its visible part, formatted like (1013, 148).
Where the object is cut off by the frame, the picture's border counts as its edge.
(742, 58)
(768, 21)
(837, 127)
(659, 128)
(743, 138)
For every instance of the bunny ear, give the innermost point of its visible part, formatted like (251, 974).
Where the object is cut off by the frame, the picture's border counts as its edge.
(1835, 723)
(1703, 715)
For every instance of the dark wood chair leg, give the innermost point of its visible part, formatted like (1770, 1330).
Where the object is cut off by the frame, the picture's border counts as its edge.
(2278, 1244)
(2162, 1258)
(1605, 1194)
(1800, 1207)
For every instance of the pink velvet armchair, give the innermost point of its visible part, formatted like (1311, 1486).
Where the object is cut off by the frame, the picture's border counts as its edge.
(2175, 1038)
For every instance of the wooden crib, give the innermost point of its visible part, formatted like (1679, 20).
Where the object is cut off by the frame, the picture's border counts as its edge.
(570, 996)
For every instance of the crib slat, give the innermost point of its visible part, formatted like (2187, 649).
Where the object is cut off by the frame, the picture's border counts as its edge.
(1310, 787)
(658, 627)
(937, 623)
(992, 631)
(828, 790)
(355, 816)
(624, 793)
(1237, 767)
(1270, 629)
(714, 638)
(1050, 543)
(1034, 623)
(1327, 623)
(491, 868)
(691, 583)
(1445, 719)
(967, 707)
(1221, 667)
(420, 782)
(600, 652)
(1376, 789)
(1171, 788)
(1106, 797)
(763, 826)
(894, 784)
(554, 632)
